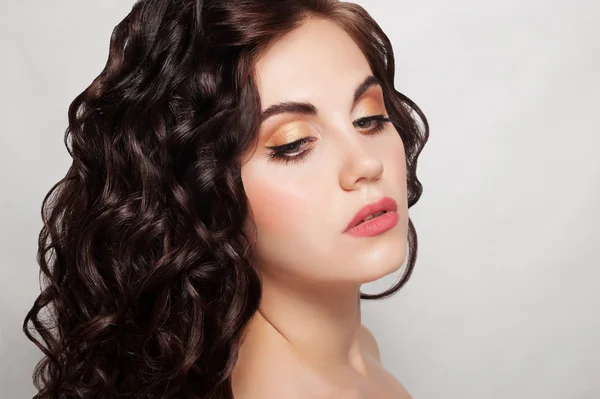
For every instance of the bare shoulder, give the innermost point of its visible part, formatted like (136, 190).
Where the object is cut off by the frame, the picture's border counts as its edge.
(371, 347)
(268, 382)
(369, 342)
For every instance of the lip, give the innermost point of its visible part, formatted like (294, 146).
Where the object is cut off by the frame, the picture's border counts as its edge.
(387, 204)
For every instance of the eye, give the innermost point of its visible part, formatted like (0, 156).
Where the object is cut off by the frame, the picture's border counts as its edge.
(377, 123)
(291, 151)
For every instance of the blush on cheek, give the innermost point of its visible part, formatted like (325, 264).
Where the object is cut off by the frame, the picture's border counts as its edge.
(277, 212)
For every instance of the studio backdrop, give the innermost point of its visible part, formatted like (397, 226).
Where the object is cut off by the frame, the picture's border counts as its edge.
(504, 299)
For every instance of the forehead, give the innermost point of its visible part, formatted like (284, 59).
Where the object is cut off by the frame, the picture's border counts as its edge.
(314, 62)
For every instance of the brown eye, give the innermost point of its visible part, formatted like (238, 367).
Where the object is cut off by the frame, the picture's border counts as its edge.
(291, 151)
(363, 122)
(377, 122)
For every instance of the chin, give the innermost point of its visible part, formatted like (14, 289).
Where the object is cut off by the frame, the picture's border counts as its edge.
(381, 256)
(380, 272)
(380, 263)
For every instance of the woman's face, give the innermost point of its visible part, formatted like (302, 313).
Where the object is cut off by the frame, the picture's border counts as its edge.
(302, 198)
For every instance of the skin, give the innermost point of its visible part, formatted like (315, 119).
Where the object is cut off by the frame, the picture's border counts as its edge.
(306, 340)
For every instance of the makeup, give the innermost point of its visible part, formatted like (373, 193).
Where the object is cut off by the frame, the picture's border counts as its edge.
(374, 218)
(375, 226)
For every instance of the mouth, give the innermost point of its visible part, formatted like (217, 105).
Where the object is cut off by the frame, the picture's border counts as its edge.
(373, 216)
(372, 210)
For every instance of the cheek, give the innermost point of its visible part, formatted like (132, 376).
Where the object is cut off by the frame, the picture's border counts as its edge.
(277, 209)
(394, 157)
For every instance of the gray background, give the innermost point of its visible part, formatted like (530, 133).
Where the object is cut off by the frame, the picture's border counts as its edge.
(504, 299)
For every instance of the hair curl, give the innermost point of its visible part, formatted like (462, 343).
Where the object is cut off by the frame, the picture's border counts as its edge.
(148, 280)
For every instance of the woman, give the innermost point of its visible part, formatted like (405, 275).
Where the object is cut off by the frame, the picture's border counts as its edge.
(240, 168)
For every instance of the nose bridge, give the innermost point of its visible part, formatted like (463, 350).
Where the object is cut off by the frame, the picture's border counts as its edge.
(347, 138)
(359, 158)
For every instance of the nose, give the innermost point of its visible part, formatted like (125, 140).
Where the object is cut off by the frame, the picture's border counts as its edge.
(361, 164)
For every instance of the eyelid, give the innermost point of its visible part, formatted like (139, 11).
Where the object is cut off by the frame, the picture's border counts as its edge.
(274, 124)
(372, 102)
(382, 117)
(278, 152)
(291, 128)
(291, 144)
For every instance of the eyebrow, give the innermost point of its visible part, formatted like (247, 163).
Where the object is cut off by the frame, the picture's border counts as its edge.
(305, 108)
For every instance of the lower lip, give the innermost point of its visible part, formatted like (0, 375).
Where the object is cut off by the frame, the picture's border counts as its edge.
(375, 226)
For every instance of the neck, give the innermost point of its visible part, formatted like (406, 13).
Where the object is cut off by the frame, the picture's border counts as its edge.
(320, 324)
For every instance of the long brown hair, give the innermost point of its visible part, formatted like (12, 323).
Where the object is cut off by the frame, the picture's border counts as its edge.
(147, 274)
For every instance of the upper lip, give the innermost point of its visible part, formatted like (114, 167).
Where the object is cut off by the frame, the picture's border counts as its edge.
(383, 204)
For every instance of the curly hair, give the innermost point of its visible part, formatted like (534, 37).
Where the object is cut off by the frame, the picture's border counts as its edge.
(147, 275)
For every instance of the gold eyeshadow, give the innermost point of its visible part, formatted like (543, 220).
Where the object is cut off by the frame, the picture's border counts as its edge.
(368, 107)
(297, 129)
(288, 133)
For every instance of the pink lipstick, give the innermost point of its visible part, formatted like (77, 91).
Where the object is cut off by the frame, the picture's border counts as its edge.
(374, 218)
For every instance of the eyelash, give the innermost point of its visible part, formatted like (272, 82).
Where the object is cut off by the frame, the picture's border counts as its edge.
(279, 153)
